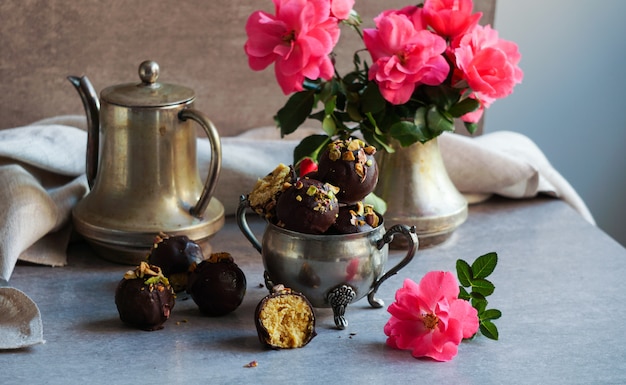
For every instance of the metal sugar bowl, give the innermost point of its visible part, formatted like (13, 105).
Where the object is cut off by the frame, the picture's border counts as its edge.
(332, 271)
(142, 168)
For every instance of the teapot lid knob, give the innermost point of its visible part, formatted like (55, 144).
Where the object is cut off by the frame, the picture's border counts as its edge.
(149, 71)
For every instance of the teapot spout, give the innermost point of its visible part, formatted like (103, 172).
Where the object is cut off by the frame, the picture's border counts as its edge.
(92, 108)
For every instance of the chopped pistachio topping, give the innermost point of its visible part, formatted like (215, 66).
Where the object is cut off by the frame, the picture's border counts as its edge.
(348, 156)
(152, 274)
(311, 191)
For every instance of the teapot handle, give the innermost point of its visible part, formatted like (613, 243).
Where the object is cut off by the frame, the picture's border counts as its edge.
(243, 223)
(411, 236)
(216, 158)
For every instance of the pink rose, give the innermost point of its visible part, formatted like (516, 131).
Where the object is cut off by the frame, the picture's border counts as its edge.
(404, 56)
(298, 40)
(488, 64)
(450, 18)
(341, 8)
(429, 319)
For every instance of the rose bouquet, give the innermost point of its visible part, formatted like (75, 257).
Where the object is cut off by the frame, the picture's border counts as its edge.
(430, 64)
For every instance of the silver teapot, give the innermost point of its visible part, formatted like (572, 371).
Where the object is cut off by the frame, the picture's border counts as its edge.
(330, 270)
(141, 167)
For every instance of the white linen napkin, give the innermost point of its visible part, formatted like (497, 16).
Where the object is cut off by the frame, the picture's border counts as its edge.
(42, 169)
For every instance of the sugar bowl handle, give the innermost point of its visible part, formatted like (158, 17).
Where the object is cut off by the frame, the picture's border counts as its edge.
(243, 223)
(413, 243)
(216, 158)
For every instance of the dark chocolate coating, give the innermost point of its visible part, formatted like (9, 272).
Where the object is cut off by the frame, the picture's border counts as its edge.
(217, 287)
(350, 221)
(174, 255)
(309, 206)
(141, 307)
(355, 175)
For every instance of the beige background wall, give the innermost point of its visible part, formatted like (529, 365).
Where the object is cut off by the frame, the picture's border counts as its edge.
(197, 43)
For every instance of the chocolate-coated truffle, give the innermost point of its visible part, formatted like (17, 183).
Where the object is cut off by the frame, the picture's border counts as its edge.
(356, 218)
(308, 206)
(144, 298)
(350, 165)
(284, 319)
(217, 285)
(174, 255)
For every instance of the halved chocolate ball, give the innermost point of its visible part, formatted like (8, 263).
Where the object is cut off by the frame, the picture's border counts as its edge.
(350, 165)
(217, 285)
(144, 298)
(284, 319)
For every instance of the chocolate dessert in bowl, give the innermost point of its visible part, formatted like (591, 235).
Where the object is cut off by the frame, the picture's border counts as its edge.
(332, 251)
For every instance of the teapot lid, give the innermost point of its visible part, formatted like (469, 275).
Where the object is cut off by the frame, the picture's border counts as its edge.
(148, 93)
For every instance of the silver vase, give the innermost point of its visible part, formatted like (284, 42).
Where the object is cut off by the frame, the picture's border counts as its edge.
(415, 184)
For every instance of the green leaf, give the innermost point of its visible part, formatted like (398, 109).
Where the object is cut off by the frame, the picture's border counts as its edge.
(463, 294)
(489, 329)
(329, 126)
(464, 273)
(479, 304)
(380, 206)
(330, 105)
(484, 265)
(463, 107)
(438, 122)
(471, 127)
(405, 132)
(490, 314)
(310, 147)
(482, 286)
(371, 100)
(295, 112)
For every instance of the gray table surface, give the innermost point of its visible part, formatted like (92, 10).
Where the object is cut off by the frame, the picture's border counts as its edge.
(560, 284)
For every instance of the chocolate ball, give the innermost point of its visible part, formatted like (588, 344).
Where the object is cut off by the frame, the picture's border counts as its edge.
(356, 218)
(144, 298)
(217, 285)
(308, 206)
(284, 319)
(350, 165)
(174, 255)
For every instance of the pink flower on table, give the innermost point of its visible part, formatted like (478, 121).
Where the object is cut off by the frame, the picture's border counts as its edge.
(341, 8)
(428, 318)
(488, 64)
(297, 39)
(450, 18)
(404, 55)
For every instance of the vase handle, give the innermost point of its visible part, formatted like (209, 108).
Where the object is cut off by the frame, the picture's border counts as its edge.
(411, 236)
(242, 222)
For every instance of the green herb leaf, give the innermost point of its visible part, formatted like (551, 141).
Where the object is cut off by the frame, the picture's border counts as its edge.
(484, 265)
(489, 329)
(295, 112)
(464, 273)
(479, 304)
(463, 294)
(490, 314)
(482, 286)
